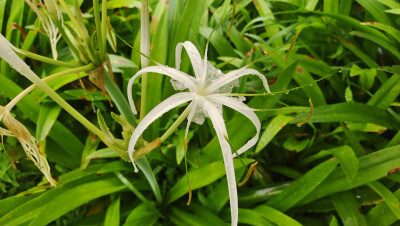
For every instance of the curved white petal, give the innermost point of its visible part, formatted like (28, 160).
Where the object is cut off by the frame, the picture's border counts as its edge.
(244, 110)
(219, 126)
(194, 55)
(171, 72)
(191, 114)
(11, 57)
(232, 75)
(168, 104)
(205, 65)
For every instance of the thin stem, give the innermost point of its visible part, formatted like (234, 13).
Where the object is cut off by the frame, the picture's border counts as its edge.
(273, 93)
(48, 60)
(145, 48)
(14, 101)
(178, 121)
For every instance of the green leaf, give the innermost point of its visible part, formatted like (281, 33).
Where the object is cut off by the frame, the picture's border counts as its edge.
(390, 199)
(292, 144)
(276, 216)
(265, 11)
(385, 44)
(112, 215)
(381, 214)
(144, 214)
(181, 143)
(59, 201)
(387, 93)
(200, 177)
(393, 11)
(348, 95)
(181, 217)
(371, 167)
(119, 99)
(303, 186)
(159, 53)
(353, 140)
(275, 125)
(145, 167)
(350, 112)
(218, 41)
(348, 160)
(363, 56)
(119, 62)
(347, 207)
(366, 76)
(2, 8)
(207, 215)
(390, 3)
(302, 77)
(13, 202)
(91, 144)
(47, 116)
(377, 10)
(102, 153)
(252, 217)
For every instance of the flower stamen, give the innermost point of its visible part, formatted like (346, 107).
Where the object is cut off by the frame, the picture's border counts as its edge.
(248, 174)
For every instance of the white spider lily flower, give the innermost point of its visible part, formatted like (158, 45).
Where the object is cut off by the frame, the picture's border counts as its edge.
(204, 90)
(48, 24)
(27, 141)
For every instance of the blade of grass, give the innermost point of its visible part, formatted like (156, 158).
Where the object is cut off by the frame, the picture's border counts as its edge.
(347, 207)
(391, 200)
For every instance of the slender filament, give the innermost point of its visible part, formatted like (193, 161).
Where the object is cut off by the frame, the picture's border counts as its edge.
(248, 174)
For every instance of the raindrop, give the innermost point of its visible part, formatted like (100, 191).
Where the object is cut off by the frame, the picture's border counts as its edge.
(340, 70)
(286, 92)
(160, 70)
(310, 84)
(298, 125)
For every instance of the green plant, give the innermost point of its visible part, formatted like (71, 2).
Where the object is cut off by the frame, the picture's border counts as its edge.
(336, 164)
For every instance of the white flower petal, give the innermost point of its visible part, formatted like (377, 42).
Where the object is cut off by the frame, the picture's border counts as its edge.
(246, 111)
(194, 55)
(219, 126)
(168, 104)
(232, 75)
(12, 59)
(205, 65)
(171, 72)
(191, 114)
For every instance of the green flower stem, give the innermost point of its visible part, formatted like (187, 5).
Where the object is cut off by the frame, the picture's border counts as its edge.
(145, 49)
(48, 60)
(175, 125)
(14, 101)
(98, 27)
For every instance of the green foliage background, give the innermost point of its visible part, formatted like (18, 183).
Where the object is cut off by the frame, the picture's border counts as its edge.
(338, 169)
